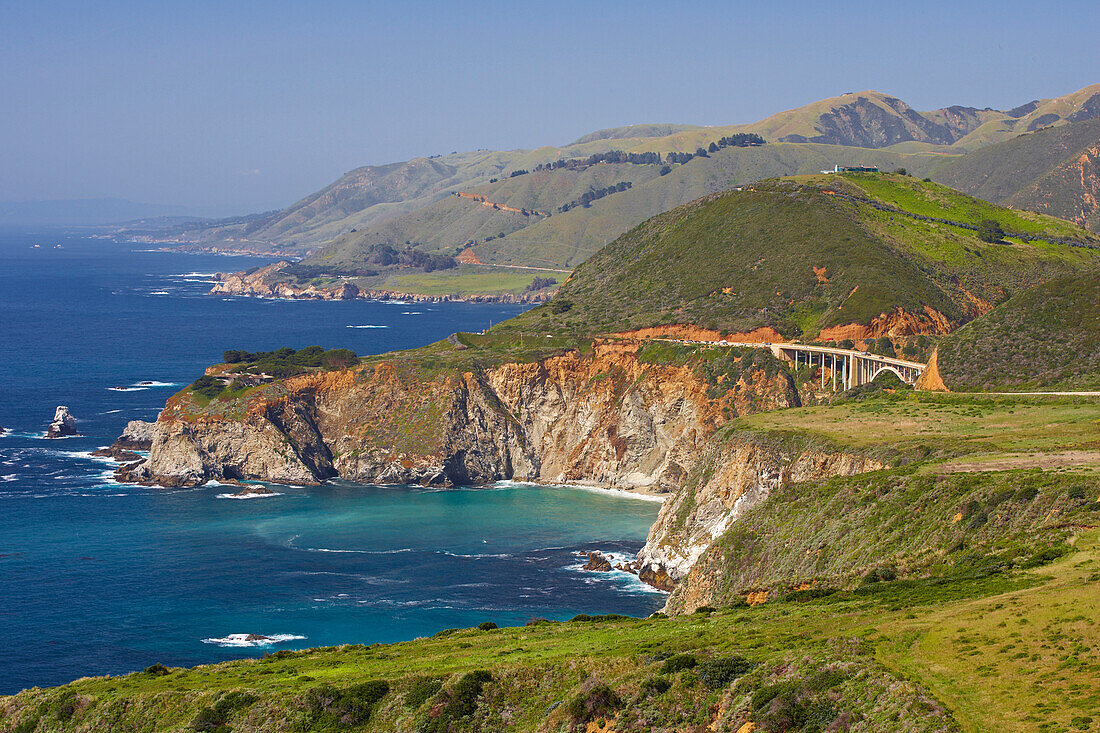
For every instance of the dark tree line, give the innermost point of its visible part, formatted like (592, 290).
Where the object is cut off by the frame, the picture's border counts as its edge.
(410, 256)
(593, 194)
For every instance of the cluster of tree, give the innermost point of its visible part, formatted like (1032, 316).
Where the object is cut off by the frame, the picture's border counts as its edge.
(593, 194)
(618, 156)
(388, 256)
(539, 283)
(287, 362)
(519, 172)
(990, 231)
(740, 140)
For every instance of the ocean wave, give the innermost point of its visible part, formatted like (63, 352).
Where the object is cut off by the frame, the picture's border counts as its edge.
(8, 477)
(243, 640)
(476, 556)
(143, 385)
(367, 325)
(160, 292)
(85, 455)
(359, 552)
(247, 496)
(622, 493)
(411, 313)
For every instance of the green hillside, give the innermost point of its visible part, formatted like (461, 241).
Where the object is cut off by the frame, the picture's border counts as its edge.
(866, 127)
(1045, 338)
(1054, 170)
(808, 253)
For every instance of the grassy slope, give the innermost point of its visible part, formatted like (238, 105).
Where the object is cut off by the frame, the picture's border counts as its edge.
(763, 243)
(1045, 338)
(999, 171)
(568, 239)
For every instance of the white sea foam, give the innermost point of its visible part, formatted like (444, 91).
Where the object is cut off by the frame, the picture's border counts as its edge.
(160, 292)
(242, 640)
(631, 583)
(410, 313)
(8, 477)
(367, 325)
(621, 493)
(247, 496)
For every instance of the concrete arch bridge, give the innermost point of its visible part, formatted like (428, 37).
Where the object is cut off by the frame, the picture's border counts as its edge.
(843, 368)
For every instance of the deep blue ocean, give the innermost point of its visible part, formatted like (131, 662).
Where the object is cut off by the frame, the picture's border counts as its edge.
(100, 578)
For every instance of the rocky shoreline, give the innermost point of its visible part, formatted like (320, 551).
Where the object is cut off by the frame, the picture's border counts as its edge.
(599, 419)
(265, 283)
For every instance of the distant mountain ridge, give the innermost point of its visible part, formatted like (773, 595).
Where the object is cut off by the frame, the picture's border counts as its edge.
(409, 202)
(1055, 171)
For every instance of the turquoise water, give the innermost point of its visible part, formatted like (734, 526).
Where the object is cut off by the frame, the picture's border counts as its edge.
(99, 578)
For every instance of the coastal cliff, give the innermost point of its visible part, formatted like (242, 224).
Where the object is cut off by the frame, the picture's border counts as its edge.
(604, 418)
(738, 471)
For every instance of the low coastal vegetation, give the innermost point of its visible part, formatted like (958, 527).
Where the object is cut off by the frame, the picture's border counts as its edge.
(246, 369)
(1045, 338)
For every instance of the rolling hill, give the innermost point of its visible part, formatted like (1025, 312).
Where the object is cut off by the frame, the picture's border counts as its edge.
(1055, 170)
(866, 127)
(1045, 338)
(826, 256)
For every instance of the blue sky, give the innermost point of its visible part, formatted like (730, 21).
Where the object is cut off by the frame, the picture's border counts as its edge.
(243, 106)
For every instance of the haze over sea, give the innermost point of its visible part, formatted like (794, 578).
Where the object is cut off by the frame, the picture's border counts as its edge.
(99, 578)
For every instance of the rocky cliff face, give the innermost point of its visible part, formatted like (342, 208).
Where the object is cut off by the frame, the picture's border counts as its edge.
(603, 418)
(736, 472)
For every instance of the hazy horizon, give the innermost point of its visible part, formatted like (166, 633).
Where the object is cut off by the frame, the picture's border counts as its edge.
(247, 108)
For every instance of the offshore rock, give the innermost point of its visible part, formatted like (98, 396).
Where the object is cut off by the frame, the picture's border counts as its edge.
(63, 425)
(597, 562)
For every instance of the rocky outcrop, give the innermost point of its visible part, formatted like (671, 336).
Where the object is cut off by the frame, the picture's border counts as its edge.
(597, 562)
(270, 282)
(63, 425)
(895, 323)
(602, 419)
(137, 435)
(737, 472)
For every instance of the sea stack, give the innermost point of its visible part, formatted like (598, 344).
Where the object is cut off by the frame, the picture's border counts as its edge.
(63, 425)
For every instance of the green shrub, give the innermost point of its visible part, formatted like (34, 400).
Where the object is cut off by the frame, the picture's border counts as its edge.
(598, 701)
(990, 231)
(487, 626)
(720, 671)
(421, 689)
(458, 702)
(157, 670)
(655, 686)
(208, 386)
(1026, 494)
(878, 575)
(678, 662)
(1043, 557)
(352, 706)
(216, 717)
